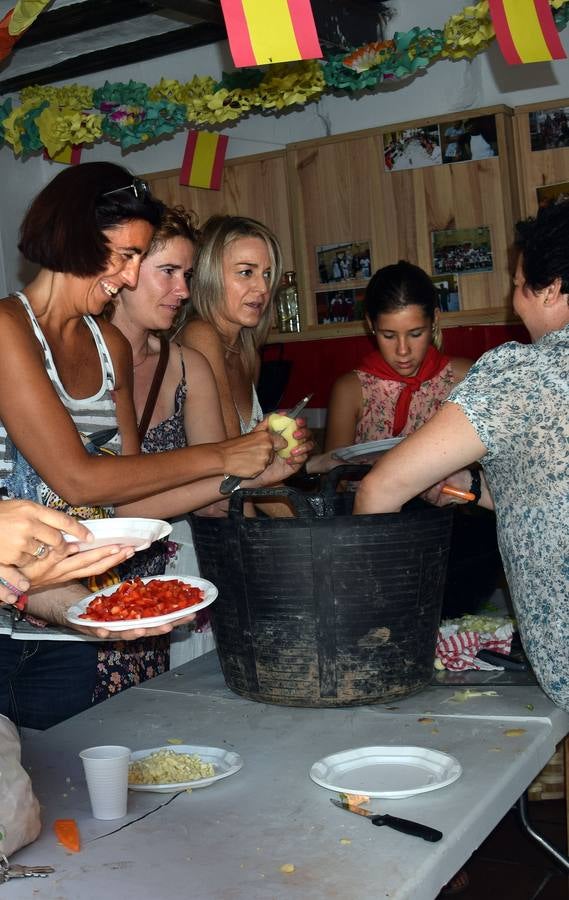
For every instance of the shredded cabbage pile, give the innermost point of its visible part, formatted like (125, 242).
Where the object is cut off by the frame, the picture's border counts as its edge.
(168, 767)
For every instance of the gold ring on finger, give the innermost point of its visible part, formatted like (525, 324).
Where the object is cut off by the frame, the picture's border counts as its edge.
(40, 551)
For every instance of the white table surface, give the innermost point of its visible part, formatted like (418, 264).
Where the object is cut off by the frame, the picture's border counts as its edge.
(229, 841)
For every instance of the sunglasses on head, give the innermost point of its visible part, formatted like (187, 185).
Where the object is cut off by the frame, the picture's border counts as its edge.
(139, 188)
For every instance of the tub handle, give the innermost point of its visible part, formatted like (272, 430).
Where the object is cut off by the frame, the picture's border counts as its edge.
(349, 472)
(301, 506)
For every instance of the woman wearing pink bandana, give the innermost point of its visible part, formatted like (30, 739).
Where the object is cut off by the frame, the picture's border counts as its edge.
(399, 387)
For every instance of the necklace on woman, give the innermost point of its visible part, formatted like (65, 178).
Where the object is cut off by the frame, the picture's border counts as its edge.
(145, 357)
(229, 349)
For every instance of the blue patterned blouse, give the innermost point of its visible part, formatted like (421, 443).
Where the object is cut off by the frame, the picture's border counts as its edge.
(517, 399)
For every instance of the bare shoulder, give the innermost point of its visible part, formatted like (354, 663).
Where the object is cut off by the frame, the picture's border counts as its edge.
(195, 362)
(115, 340)
(346, 387)
(460, 366)
(198, 333)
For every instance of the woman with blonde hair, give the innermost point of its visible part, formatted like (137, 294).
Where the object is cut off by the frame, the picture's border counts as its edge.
(237, 269)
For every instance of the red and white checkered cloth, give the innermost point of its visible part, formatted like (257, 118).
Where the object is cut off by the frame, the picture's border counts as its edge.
(457, 649)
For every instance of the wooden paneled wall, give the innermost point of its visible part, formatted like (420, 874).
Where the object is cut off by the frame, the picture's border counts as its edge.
(334, 190)
(536, 168)
(252, 186)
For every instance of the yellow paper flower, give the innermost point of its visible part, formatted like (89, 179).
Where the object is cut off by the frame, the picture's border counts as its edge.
(14, 126)
(58, 127)
(72, 96)
(469, 32)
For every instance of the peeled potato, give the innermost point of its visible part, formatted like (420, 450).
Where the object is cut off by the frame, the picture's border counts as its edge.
(285, 427)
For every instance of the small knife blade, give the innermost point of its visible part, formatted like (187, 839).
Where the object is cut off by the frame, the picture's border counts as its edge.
(404, 825)
(231, 482)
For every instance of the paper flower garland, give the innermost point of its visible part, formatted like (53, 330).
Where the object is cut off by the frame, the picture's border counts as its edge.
(132, 114)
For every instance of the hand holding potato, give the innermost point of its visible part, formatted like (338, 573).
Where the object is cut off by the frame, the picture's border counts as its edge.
(286, 427)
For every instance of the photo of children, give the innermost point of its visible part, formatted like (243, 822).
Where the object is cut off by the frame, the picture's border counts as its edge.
(412, 148)
(343, 262)
(549, 194)
(448, 293)
(467, 139)
(462, 251)
(549, 128)
(340, 306)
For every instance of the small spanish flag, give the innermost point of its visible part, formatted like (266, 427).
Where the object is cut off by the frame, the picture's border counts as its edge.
(525, 30)
(270, 31)
(203, 160)
(70, 155)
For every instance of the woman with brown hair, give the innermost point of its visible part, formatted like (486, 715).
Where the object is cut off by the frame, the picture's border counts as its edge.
(65, 376)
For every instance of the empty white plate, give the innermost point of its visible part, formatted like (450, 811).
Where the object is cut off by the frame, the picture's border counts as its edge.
(366, 452)
(131, 532)
(390, 772)
(225, 763)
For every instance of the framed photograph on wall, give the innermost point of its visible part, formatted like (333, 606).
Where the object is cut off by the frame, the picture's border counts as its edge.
(462, 251)
(412, 148)
(343, 262)
(448, 293)
(467, 139)
(549, 128)
(334, 307)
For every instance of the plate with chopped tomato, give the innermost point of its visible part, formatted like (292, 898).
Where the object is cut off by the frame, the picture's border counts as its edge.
(143, 602)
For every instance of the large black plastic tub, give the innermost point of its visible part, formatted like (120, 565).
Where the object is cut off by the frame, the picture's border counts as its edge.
(325, 609)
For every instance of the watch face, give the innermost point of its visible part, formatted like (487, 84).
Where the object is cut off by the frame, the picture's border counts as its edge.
(229, 484)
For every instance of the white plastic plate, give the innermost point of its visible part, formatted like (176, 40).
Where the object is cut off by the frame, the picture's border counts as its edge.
(225, 763)
(389, 772)
(209, 590)
(131, 532)
(366, 452)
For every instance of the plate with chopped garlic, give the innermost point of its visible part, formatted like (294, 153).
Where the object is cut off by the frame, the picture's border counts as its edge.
(179, 767)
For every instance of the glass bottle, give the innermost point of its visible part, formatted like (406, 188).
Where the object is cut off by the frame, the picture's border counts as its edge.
(288, 315)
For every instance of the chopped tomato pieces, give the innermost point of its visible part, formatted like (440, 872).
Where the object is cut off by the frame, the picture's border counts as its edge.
(135, 600)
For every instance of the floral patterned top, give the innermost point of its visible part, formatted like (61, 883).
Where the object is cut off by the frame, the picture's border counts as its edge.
(517, 399)
(379, 399)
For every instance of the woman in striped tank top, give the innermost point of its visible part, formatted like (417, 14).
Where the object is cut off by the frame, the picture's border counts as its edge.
(63, 374)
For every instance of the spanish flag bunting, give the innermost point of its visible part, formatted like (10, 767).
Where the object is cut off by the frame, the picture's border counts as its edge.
(525, 30)
(203, 160)
(7, 40)
(70, 155)
(270, 31)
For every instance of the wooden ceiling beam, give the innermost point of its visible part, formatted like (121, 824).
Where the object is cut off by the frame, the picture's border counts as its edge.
(123, 54)
(206, 10)
(79, 17)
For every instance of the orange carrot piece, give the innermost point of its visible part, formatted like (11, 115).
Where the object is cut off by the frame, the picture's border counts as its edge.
(67, 833)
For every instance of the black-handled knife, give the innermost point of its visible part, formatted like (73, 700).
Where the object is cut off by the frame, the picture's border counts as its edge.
(404, 825)
(231, 482)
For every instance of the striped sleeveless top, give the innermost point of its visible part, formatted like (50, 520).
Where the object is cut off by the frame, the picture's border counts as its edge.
(89, 414)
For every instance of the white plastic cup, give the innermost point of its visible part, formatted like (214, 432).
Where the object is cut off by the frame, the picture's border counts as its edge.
(106, 773)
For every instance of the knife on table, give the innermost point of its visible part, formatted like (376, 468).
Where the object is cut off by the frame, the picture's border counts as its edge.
(404, 825)
(231, 482)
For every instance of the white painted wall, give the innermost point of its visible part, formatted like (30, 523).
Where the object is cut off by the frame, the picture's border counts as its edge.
(444, 87)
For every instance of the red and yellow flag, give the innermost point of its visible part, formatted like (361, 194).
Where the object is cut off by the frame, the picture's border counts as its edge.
(70, 155)
(270, 31)
(525, 30)
(203, 160)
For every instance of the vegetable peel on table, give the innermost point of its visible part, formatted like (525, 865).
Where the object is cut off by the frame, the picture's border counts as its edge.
(354, 800)
(515, 732)
(463, 696)
(67, 833)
